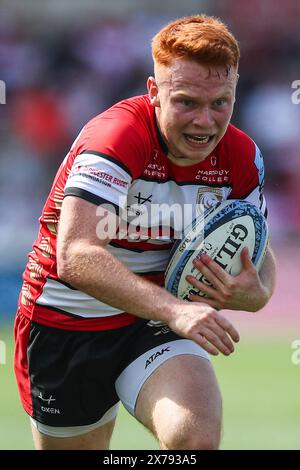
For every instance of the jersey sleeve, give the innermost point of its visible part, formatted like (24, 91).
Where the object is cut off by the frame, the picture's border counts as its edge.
(98, 179)
(249, 176)
(110, 152)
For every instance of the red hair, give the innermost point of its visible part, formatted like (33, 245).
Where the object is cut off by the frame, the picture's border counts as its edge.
(202, 38)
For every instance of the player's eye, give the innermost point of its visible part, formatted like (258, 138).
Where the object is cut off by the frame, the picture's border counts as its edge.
(186, 102)
(220, 102)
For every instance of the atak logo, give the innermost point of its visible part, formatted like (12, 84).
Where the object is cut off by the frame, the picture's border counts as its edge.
(155, 356)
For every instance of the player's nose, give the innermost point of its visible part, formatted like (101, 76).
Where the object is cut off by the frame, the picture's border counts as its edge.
(204, 118)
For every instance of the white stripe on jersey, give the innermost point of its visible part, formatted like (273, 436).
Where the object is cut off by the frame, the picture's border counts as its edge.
(100, 177)
(170, 204)
(58, 295)
(144, 262)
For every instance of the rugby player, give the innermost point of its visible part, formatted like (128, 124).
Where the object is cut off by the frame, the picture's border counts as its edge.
(94, 324)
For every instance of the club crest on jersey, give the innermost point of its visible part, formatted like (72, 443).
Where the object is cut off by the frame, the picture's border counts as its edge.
(208, 197)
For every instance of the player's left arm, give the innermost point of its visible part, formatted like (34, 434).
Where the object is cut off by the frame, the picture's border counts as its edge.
(267, 273)
(250, 290)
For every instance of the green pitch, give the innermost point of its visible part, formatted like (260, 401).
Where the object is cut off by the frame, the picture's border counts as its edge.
(260, 387)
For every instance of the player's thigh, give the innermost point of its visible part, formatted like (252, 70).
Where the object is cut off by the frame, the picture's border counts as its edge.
(97, 439)
(181, 403)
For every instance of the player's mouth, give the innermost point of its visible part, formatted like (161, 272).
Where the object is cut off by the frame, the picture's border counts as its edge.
(198, 140)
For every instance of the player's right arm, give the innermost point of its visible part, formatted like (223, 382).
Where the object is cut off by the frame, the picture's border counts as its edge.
(85, 263)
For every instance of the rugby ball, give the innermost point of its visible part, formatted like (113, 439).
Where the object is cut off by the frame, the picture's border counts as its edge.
(221, 232)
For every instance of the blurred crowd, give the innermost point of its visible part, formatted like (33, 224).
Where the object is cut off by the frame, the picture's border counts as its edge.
(57, 79)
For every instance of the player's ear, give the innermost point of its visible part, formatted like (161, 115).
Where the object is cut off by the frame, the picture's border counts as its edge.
(153, 91)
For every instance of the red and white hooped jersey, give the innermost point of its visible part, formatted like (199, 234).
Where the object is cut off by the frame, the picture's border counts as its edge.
(119, 158)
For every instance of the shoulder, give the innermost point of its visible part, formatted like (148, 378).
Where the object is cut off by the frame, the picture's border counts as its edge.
(133, 114)
(123, 132)
(243, 152)
(238, 141)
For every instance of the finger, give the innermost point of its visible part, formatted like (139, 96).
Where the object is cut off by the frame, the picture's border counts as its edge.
(205, 344)
(224, 337)
(225, 347)
(220, 273)
(228, 327)
(246, 259)
(208, 274)
(206, 289)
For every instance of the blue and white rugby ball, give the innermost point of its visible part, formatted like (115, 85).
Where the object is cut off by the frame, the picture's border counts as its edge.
(221, 232)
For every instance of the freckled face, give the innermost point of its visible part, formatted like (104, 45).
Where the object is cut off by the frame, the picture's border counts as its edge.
(194, 105)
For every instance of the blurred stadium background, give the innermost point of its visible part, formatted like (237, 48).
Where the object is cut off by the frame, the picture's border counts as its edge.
(62, 62)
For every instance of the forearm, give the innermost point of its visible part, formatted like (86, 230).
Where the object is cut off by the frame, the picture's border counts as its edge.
(267, 272)
(85, 263)
(95, 271)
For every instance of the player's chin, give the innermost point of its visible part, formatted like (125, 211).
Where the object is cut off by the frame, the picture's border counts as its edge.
(195, 151)
(198, 155)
